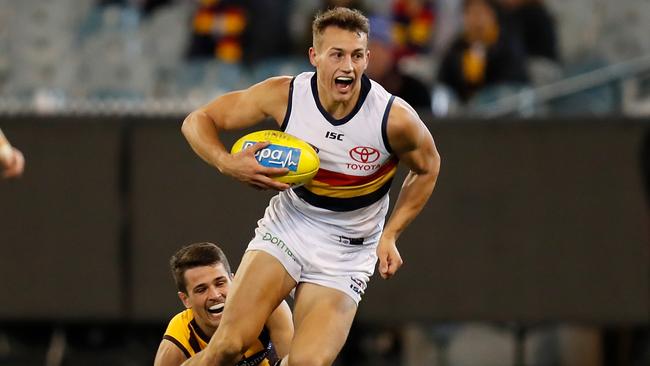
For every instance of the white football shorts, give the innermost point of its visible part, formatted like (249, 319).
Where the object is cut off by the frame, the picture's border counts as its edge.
(316, 252)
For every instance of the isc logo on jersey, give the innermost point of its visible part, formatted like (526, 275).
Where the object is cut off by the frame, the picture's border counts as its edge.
(276, 156)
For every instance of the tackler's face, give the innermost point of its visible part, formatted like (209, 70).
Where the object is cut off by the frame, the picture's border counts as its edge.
(207, 289)
(340, 57)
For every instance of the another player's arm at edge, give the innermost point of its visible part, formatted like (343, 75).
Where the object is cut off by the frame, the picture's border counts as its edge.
(279, 324)
(12, 161)
(413, 144)
(169, 354)
(233, 111)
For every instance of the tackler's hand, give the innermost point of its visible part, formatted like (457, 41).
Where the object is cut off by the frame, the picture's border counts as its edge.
(244, 167)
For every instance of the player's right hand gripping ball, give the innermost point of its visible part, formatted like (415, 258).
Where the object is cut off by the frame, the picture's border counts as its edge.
(285, 151)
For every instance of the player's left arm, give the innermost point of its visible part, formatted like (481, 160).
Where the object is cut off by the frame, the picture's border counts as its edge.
(413, 144)
(280, 326)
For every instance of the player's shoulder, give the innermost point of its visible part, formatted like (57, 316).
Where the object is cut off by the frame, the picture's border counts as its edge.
(271, 96)
(404, 124)
(179, 323)
(275, 83)
(177, 336)
(402, 115)
(272, 91)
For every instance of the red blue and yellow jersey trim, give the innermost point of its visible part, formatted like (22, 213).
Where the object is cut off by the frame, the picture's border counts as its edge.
(343, 192)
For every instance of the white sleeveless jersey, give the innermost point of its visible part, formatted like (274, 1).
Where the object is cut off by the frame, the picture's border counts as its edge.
(350, 190)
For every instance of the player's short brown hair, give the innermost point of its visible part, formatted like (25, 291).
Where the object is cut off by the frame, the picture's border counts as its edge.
(195, 255)
(349, 19)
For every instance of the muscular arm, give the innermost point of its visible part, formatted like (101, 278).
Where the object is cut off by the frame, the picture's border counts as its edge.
(280, 325)
(232, 111)
(412, 143)
(168, 355)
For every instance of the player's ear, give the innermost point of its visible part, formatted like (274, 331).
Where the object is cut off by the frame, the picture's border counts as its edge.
(312, 56)
(184, 299)
(367, 59)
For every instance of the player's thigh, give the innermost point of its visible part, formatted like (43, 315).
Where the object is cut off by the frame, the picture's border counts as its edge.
(260, 284)
(323, 317)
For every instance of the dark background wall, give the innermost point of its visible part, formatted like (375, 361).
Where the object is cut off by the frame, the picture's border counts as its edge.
(531, 221)
(60, 224)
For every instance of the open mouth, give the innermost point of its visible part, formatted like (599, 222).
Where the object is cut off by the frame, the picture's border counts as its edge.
(216, 309)
(343, 82)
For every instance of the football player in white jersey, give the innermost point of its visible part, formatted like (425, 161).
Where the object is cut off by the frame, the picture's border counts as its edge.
(323, 238)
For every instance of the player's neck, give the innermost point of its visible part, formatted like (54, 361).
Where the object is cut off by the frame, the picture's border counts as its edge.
(338, 109)
(206, 329)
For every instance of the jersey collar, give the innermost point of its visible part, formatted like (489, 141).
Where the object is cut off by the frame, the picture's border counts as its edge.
(365, 89)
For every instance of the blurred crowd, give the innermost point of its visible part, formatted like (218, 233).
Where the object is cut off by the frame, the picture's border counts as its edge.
(471, 51)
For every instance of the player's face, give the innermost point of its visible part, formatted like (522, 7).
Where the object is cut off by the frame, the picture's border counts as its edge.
(340, 57)
(207, 289)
